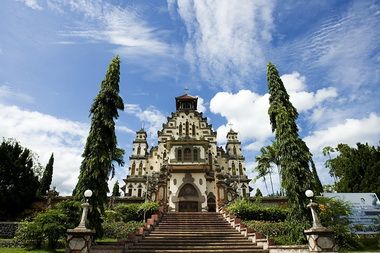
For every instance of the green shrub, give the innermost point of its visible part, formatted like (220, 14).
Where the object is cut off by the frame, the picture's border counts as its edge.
(119, 229)
(284, 232)
(247, 210)
(29, 235)
(132, 212)
(333, 214)
(128, 212)
(149, 208)
(49, 226)
(112, 216)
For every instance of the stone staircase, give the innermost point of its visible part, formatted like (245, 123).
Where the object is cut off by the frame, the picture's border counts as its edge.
(187, 232)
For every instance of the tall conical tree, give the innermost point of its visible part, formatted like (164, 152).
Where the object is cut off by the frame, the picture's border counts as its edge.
(318, 188)
(116, 190)
(46, 177)
(101, 149)
(294, 154)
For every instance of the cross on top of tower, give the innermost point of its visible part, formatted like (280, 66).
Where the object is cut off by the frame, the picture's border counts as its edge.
(186, 90)
(230, 125)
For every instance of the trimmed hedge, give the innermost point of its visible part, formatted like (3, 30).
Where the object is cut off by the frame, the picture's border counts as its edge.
(132, 212)
(120, 229)
(247, 210)
(283, 233)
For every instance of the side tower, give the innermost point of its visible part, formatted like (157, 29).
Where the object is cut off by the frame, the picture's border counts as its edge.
(236, 164)
(137, 166)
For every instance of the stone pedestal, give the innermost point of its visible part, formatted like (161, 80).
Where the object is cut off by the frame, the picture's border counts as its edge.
(321, 239)
(79, 240)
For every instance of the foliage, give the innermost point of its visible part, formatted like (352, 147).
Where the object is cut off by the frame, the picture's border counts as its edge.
(29, 234)
(258, 193)
(128, 212)
(46, 177)
(101, 151)
(268, 157)
(355, 168)
(116, 190)
(248, 210)
(49, 226)
(284, 233)
(18, 182)
(333, 214)
(112, 216)
(317, 185)
(294, 154)
(133, 212)
(120, 229)
(149, 208)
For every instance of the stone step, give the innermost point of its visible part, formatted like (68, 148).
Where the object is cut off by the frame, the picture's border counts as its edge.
(193, 243)
(194, 239)
(197, 233)
(194, 233)
(195, 247)
(196, 251)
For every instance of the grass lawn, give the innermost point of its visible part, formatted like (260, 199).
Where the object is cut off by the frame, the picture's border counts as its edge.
(21, 250)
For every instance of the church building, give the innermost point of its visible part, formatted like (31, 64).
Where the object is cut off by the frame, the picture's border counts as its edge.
(187, 171)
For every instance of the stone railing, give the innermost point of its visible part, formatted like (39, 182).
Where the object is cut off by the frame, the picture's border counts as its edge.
(8, 229)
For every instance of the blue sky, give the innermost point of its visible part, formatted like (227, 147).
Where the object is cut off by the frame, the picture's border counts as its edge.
(54, 54)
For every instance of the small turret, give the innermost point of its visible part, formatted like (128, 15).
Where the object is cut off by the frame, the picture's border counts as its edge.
(140, 145)
(186, 102)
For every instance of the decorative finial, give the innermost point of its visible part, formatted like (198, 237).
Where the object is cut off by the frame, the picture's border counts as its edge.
(230, 124)
(186, 90)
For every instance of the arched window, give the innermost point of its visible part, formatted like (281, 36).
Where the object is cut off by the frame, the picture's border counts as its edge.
(133, 169)
(140, 169)
(195, 155)
(138, 150)
(193, 129)
(180, 129)
(187, 155)
(240, 169)
(233, 169)
(179, 154)
(187, 128)
(234, 149)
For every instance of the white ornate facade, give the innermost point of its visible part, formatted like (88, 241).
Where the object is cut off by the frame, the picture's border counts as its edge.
(187, 170)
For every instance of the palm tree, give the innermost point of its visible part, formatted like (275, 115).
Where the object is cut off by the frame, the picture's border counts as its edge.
(263, 167)
(262, 172)
(273, 155)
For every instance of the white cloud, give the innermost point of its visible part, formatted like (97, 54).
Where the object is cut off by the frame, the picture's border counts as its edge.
(153, 117)
(120, 26)
(125, 129)
(9, 94)
(201, 105)
(294, 82)
(247, 111)
(296, 86)
(32, 4)
(349, 132)
(226, 39)
(45, 134)
(344, 46)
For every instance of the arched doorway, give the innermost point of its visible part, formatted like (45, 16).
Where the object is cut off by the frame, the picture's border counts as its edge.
(188, 199)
